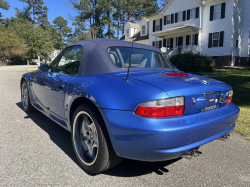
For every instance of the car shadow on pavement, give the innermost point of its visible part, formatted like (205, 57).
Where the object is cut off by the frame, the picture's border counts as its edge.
(62, 138)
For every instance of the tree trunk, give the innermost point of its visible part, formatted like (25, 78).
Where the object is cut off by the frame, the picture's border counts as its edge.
(34, 16)
(108, 25)
(118, 29)
(123, 23)
(4, 59)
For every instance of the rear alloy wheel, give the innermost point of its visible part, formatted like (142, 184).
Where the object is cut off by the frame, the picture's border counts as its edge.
(27, 107)
(91, 142)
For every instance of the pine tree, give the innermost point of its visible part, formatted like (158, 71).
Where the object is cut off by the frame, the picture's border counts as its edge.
(63, 31)
(39, 11)
(4, 5)
(164, 3)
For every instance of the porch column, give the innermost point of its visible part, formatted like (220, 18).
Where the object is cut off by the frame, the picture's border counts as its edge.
(176, 40)
(167, 42)
(155, 41)
(191, 47)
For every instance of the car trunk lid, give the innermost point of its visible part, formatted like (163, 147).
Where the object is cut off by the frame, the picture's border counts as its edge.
(201, 93)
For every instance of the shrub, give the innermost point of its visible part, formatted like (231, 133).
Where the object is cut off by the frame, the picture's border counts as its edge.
(190, 62)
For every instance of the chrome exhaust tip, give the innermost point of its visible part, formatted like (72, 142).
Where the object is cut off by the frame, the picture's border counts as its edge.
(225, 137)
(191, 153)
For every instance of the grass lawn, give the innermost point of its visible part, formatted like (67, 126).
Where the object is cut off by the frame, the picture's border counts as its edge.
(239, 80)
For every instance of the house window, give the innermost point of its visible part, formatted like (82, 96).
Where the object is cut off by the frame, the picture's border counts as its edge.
(192, 13)
(168, 19)
(216, 37)
(179, 16)
(143, 30)
(157, 44)
(157, 25)
(127, 33)
(217, 11)
(191, 42)
(168, 43)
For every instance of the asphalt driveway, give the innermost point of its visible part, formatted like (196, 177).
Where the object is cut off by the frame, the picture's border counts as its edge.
(35, 151)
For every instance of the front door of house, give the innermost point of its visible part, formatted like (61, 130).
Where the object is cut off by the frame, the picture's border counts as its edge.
(179, 41)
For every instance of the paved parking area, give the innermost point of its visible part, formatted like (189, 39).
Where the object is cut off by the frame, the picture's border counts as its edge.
(35, 151)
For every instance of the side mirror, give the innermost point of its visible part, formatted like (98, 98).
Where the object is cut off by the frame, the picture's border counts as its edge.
(44, 68)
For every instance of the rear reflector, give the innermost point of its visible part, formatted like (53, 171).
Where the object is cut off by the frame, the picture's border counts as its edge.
(178, 74)
(230, 97)
(161, 108)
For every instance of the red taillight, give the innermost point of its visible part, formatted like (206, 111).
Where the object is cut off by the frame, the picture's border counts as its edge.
(178, 74)
(161, 108)
(230, 97)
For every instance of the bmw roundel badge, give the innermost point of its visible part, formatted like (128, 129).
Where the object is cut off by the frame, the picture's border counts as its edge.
(204, 82)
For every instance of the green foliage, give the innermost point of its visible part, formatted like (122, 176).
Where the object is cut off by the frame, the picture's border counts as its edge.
(38, 40)
(23, 13)
(63, 32)
(190, 62)
(4, 5)
(110, 15)
(164, 3)
(11, 45)
(39, 11)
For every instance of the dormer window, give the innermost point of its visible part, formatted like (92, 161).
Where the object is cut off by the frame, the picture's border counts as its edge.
(157, 25)
(127, 33)
(143, 30)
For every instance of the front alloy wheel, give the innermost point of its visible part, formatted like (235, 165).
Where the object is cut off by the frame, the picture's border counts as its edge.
(25, 98)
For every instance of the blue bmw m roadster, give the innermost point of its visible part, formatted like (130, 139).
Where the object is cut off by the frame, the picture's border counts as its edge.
(126, 100)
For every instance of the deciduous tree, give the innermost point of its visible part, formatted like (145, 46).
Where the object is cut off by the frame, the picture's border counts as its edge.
(11, 45)
(38, 40)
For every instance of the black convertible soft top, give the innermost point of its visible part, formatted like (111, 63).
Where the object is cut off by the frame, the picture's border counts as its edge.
(95, 58)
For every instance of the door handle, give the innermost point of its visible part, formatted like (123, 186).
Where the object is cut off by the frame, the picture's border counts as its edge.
(60, 85)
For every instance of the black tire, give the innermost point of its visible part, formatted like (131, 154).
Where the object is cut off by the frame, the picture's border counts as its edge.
(105, 156)
(27, 106)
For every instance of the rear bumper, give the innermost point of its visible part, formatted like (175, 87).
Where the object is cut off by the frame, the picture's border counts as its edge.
(147, 139)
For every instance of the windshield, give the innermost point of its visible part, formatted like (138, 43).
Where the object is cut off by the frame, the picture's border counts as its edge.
(140, 58)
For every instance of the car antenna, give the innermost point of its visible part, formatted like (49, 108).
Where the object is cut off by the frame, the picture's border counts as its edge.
(130, 59)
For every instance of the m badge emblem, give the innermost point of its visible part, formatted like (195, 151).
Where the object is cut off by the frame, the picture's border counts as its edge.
(204, 82)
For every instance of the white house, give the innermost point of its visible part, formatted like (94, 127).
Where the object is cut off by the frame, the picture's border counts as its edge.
(216, 28)
(138, 32)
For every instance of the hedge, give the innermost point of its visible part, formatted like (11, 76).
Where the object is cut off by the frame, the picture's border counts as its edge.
(190, 62)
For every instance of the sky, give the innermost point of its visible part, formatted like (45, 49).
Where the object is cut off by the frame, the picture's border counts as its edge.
(56, 8)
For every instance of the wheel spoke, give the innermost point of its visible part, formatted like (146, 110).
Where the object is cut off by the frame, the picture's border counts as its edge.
(95, 143)
(92, 127)
(84, 129)
(88, 143)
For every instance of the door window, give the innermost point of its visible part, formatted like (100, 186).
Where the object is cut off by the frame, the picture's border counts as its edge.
(70, 61)
(55, 62)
